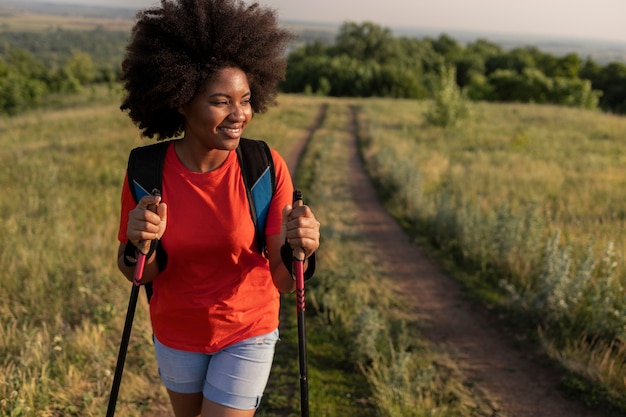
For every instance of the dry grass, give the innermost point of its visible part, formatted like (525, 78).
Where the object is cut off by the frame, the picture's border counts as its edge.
(34, 22)
(62, 300)
(526, 199)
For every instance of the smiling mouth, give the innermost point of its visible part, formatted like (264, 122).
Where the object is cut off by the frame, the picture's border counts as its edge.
(230, 130)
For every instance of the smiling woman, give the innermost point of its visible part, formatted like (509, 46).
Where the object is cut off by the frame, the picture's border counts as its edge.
(215, 118)
(200, 69)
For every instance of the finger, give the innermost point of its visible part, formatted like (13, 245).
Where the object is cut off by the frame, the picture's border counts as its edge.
(286, 213)
(310, 230)
(142, 231)
(162, 211)
(149, 200)
(299, 226)
(301, 212)
(307, 245)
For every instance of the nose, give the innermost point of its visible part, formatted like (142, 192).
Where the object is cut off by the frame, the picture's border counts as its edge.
(237, 113)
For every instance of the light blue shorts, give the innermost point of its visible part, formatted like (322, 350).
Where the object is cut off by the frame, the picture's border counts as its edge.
(234, 377)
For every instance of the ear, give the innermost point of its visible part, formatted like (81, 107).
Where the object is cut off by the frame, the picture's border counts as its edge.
(181, 109)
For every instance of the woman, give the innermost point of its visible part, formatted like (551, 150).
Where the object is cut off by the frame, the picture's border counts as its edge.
(201, 69)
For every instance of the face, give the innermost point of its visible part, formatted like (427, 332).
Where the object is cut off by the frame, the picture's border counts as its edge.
(217, 116)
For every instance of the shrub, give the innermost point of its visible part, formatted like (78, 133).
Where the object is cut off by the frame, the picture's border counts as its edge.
(450, 102)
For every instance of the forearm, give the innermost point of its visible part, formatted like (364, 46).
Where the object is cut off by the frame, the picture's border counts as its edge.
(283, 279)
(150, 271)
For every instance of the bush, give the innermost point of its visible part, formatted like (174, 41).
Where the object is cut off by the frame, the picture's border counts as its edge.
(450, 102)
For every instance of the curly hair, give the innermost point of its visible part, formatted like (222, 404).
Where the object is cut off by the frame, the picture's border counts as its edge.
(175, 49)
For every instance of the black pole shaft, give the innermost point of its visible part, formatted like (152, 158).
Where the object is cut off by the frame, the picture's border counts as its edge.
(298, 270)
(121, 357)
(304, 382)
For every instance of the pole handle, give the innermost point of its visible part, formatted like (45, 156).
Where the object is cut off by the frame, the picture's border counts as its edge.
(298, 253)
(144, 245)
(144, 248)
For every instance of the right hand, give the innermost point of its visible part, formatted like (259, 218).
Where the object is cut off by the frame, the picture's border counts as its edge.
(147, 221)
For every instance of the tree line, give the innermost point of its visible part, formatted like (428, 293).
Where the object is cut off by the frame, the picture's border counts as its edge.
(34, 65)
(368, 60)
(364, 60)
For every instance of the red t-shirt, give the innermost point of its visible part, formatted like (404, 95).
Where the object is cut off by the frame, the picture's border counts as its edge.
(216, 289)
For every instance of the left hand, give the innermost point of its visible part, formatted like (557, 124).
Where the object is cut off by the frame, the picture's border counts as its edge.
(301, 228)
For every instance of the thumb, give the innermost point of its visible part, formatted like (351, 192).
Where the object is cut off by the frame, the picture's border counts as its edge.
(283, 229)
(162, 211)
(286, 213)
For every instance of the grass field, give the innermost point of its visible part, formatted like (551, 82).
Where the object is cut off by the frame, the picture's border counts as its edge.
(527, 203)
(33, 17)
(62, 300)
(466, 191)
(39, 23)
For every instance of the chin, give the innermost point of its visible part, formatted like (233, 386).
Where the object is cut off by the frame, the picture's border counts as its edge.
(230, 144)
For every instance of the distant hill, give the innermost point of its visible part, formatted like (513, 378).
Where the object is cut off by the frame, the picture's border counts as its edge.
(49, 7)
(602, 52)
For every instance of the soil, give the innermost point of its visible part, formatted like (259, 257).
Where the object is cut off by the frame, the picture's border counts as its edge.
(514, 381)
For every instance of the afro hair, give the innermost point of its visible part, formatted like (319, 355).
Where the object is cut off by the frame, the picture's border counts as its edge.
(175, 49)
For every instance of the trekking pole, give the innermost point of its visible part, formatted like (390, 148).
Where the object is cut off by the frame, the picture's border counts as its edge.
(128, 325)
(130, 315)
(298, 271)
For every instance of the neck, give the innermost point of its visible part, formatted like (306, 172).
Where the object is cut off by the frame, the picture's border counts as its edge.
(199, 159)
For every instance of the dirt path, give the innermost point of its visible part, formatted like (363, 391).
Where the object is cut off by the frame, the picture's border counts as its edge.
(515, 385)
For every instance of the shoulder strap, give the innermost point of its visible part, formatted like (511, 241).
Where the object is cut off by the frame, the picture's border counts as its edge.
(145, 173)
(145, 169)
(259, 177)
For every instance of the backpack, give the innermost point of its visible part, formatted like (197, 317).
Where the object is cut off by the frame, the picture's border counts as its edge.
(145, 169)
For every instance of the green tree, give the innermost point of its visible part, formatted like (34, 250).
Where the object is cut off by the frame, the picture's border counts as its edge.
(366, 41)
(515, 60)
(612, 82)
(18, 92)
(450, 104)
(80, 66)
(472, 60)
(23, 82)
(574, 92)
(447, 47)
(590, 70)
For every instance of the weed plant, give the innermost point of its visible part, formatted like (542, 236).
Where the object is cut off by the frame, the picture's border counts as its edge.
(528, 202)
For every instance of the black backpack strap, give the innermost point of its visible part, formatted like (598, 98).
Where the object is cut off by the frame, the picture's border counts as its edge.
(145, 169)
(145, 174)
(259, 177)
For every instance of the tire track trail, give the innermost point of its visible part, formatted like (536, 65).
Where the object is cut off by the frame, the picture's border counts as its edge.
(514, 383)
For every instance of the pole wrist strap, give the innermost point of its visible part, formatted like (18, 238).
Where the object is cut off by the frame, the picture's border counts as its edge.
(130, 252)
(286, 254)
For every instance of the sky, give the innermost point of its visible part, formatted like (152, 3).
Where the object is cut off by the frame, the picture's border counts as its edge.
(583, 19)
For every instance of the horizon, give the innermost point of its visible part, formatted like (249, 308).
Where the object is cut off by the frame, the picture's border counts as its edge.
(601, 20)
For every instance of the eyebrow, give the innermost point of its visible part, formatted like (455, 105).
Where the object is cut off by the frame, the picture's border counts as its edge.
(248, 93)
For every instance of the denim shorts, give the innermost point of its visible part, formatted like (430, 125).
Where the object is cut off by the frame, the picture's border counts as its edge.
(234, 377)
